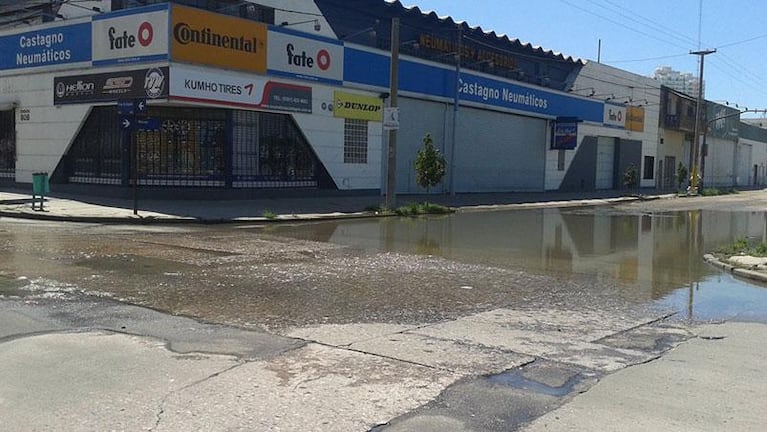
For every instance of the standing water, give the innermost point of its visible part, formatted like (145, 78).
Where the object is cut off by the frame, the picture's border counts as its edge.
(659, 256)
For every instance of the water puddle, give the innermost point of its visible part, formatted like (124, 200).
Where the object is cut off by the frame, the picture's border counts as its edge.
(516, 379)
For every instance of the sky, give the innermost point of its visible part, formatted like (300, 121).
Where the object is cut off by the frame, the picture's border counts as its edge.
(639, 36)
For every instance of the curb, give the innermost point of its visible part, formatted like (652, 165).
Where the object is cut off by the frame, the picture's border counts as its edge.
(737, 271)
(308, 217)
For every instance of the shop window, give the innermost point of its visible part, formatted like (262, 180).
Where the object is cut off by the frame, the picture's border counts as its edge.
(649, 168)
(355, 141)
(7, 145)
(561, 160)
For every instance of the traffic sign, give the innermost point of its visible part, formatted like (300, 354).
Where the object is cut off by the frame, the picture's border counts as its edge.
(126, 122)
(391, 118)
(126, 107)
(141, 107)
(148, 124)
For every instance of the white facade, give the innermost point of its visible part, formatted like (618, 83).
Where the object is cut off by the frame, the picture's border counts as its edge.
(626, 89)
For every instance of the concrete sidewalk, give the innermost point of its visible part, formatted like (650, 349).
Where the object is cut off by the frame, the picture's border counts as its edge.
(77, 208)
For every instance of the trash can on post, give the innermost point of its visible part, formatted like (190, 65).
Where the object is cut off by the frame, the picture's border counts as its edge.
(40, 187)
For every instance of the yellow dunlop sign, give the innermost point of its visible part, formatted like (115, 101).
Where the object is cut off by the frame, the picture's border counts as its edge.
(217, 40)
(635, 119)
(354, 106)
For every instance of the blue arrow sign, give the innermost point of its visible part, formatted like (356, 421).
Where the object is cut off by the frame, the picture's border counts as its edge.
(141, 106)
(126, 122)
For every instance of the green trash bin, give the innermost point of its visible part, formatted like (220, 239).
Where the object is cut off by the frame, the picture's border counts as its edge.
(40, 187)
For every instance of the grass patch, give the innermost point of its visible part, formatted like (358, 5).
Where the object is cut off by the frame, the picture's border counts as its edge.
(715, 192)
(270, 214)
(416, 209)
(743, 246)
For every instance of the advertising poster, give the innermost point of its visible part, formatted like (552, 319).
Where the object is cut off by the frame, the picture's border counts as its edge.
(217, 40)
(238, 90)
(149, 83)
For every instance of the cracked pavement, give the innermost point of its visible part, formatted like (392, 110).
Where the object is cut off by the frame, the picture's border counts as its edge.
(97, 364)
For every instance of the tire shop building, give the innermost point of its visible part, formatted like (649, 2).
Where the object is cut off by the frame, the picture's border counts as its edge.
(190, 99)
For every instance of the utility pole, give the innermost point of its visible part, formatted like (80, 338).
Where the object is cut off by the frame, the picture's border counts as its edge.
(695, 148)
(456, 102)
(391, 167)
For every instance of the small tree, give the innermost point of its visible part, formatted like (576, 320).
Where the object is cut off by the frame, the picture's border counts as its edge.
(630, 177)
(681, 175)
(429, 165)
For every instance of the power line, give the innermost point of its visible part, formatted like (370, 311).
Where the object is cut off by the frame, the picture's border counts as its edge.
(621, 24)
(649, 58)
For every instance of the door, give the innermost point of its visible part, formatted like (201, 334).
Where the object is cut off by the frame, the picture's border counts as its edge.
(669, 177)
(605, 162)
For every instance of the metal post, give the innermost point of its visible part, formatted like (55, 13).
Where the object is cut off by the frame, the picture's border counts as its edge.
(456, 101)
(391, 168)
(698, 110)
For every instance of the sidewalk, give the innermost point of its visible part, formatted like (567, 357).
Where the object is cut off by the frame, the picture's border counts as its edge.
(17, 203)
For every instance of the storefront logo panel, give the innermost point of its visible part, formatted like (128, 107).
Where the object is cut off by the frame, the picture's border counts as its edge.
(358, 107)
(315, 59)
(50, 46)
(218, 40)
(139, 36)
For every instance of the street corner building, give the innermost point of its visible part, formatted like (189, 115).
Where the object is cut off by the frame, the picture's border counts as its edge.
(278, 95)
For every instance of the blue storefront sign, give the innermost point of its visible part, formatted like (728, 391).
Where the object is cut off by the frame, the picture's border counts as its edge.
(369, 68)
(49, 46)
(565, 136)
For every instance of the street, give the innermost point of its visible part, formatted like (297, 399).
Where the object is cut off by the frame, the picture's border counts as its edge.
(243, 327)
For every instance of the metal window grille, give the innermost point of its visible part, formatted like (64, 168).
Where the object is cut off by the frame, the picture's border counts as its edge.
(195, 147)
(355, 141)
(188, 150)
(95, 156)
(7, 145)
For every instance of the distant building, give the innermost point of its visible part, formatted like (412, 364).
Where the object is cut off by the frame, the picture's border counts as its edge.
(683, 82)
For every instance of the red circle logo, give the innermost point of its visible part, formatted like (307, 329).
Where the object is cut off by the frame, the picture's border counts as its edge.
(145, 33)
(323, 59)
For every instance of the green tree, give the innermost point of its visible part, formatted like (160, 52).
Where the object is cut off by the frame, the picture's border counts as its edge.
(681, 175)
(429, 165)
(630, 177)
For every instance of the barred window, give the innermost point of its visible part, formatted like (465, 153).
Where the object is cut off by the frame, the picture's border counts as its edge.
(355, 141)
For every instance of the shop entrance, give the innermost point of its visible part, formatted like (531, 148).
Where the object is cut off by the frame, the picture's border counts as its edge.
(7, 146)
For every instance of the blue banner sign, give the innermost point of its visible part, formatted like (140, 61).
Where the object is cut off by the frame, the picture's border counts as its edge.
(46, 47)
(565, 136)
(365, 67)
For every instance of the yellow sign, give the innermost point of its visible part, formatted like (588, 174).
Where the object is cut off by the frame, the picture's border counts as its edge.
(635, 119)
(354, 106)
(218, 40)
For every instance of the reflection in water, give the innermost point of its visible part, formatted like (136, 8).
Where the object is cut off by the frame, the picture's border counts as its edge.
(658, 256)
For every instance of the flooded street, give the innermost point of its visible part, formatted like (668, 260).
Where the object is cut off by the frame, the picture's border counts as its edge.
(484, 321)
(394, 270)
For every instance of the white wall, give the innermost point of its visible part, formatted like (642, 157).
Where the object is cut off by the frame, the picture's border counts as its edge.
(44, 138)
(325, 133)
(621, 87)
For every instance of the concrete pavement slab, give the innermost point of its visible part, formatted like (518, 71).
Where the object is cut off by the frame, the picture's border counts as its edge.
(715, 382)
(344, 334)
(559, 336)
(453, 356)
(315, 388)
(93, 381)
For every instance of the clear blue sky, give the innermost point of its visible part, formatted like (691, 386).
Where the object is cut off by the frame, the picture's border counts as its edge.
(638, 35)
